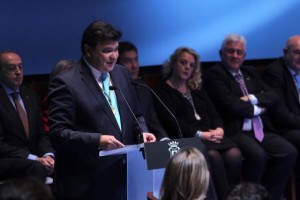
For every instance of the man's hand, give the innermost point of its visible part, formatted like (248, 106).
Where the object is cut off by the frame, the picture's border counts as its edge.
(108, 142)
(149, 137)
(47, 162)
(245, 98)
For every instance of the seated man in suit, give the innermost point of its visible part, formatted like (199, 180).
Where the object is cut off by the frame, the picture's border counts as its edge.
(128, 57)
(88, 112)
(283, 74)
(243, 100)
(24, 146)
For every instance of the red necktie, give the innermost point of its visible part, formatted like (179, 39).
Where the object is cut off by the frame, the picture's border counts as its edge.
(21, 112)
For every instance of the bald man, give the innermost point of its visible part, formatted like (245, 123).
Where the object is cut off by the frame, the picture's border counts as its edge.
(283, 75)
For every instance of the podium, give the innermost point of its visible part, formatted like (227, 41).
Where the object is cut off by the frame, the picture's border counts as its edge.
(146, 164)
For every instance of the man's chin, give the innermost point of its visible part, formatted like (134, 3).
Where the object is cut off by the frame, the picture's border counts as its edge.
(110, 67)
(17, 84)
(235, 66)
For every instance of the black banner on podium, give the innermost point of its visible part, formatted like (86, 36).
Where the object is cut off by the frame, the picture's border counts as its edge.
(159, 153)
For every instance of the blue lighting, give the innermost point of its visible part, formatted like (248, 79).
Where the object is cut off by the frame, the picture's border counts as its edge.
(44, 32)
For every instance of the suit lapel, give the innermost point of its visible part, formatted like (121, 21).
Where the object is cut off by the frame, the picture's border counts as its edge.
(249, 79)
(233, 83)
(89, 80)
(5, 101)
(7, 104)
(291, 84)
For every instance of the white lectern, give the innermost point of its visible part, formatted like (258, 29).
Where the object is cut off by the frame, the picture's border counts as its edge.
(140, 180)
(145, 175)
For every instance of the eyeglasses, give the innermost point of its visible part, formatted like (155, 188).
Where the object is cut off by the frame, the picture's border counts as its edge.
(237, 51)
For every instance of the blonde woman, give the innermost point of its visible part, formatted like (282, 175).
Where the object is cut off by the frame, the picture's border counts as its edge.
(181, 91)
(186, 176)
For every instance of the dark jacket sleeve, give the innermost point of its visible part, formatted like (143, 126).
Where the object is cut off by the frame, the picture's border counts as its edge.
(286, 114)
(226, 93)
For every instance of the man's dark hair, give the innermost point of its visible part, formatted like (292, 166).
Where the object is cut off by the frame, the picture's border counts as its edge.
(125, 46)
(97, 32)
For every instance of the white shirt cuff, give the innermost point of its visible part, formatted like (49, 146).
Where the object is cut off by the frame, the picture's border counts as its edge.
(31, 157)
(253, 100)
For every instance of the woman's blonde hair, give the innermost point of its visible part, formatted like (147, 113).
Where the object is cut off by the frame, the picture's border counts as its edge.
(186, 176)
(195, 81)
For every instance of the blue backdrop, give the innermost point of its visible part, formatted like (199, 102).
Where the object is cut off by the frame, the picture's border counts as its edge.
(44, 32)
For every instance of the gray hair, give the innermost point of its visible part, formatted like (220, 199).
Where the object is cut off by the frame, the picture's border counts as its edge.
(233, 38)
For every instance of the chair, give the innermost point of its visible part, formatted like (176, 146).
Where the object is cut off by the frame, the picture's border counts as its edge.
(291, 188)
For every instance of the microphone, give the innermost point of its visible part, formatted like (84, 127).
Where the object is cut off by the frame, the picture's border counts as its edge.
(162, 103)
(141, 140)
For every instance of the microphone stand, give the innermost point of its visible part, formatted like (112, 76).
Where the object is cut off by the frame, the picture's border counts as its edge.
(141, 138)
(164, 105)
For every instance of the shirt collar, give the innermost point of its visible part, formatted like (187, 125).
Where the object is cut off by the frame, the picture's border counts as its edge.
(96, 73)
(235, 73)
(8, 90)
(293, 72)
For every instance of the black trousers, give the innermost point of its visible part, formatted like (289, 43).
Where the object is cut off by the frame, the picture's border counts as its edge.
(269, 162)
(18, 168)
(293, 136)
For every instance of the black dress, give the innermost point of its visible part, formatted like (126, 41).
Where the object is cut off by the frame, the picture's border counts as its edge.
(183, 110)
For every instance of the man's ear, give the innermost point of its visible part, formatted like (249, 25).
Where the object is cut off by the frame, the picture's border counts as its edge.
(87, 50)
(285, 51)
(220, 53)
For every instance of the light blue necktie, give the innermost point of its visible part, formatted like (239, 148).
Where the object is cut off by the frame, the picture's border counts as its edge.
(111, 98)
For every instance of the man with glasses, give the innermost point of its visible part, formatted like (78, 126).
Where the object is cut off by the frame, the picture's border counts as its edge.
(24, 146)
(284, 75)
(243, 100)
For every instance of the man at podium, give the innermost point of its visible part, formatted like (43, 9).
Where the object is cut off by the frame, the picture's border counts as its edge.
(94, 107)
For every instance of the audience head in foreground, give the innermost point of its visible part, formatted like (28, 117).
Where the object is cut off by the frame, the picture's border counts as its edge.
(25, 189)
(186, 176)
(249, 191)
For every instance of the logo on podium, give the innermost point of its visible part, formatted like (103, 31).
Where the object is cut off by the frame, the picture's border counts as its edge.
(159, 153)
(174, 148)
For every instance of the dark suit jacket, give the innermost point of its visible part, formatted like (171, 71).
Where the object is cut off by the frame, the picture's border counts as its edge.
(287, 113)
(78, 114)
(13, 140)
(146, 99)
(225, 93)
